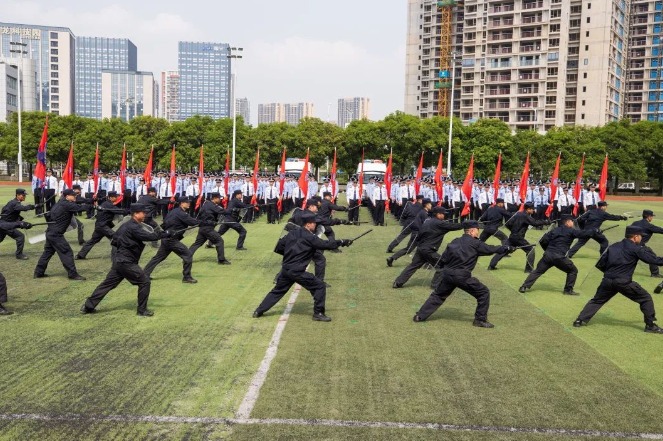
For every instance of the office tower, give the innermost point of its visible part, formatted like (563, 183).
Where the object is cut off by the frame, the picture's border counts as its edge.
(243, 109)
(294, 113)
(53, 51)
(128, 94)
(9, 86)
(170, 95)
(205, 72)
(352, 109)
(94, 55)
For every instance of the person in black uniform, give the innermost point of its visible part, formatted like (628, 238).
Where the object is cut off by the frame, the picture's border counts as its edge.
(103, 225)
(3, 296)
(128, 246)
(592, 222)
(319, 260)
(618, 264)
(417, 223)
(519, 224)
(209, 215)
(79, 225)
(298, 248)
(492, 220)
(430, 238)
(407, 219)
(176, 220)
(232, 218)
(11, 213)
(61, 217)
(459, 259)
(556, 244)
(325, 215)
(153, 206)
(648, 230)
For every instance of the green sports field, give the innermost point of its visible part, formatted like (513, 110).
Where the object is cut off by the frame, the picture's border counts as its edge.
(184, 373)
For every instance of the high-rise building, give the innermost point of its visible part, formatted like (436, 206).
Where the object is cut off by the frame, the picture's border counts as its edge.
(243, 109)
(534, 64)
(270, 113)
(352, 109)
(53, 51)
(94, 55)
(8, 89)
(170, 95)
(293, 113)
(205, 72)
(128, 94)
(10, 69)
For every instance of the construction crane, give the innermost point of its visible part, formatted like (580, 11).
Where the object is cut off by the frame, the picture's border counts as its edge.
(445, 80)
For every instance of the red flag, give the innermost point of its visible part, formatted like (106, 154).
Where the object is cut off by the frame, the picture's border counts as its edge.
(123, 175)
(553, 186)
(256, 169)
(40, 168)
(420, 172)
(279, 203)
(467, 187)
(496, 178)
(578, 187)
(68, 173)
(173, 179)
(603, 182)
(303, 180)
(361, 178)
(332, 179)
(226, 179)
(388, 176)
(147, 175)
(201, 179)
(439, 188)
(95, 171)
(524, 181)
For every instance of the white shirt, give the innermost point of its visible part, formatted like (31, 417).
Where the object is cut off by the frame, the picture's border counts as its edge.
(379, 194)
(591, 198)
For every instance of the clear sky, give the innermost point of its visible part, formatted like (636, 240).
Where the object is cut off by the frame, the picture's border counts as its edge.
(294, 50)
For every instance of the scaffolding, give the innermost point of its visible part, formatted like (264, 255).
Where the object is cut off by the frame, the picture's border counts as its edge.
(445, 81)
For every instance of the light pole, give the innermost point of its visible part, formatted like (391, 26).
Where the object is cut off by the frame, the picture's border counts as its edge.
(451, 112)
(19, 48)
(234, 53)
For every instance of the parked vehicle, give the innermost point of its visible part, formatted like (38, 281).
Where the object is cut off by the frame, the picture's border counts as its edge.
(373, 168)
(294, 166)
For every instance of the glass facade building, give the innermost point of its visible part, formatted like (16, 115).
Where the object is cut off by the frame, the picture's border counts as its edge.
(205, 72)
(128, 94)
(94, 55)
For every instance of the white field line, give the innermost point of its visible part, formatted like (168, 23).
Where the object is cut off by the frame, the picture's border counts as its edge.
(328, 423)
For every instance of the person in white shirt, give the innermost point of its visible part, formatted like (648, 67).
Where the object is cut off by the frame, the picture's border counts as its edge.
(591, 199)
(566, 202)
(192, 192)
(114, 184)
(378, 199)
(247, 195)
(141, 188)
(271, 194)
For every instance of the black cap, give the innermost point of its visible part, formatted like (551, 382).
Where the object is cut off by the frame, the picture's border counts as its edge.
(420, 196)
(152, 190)
(439, 210)
(645, 213)
(499, 201)
(138, 208)
(112, 194)
(470, 224)
(566, 217)
(602, 204)
(631, 231)
(236, 192)
(215, 195)
(308, 218)
(182, 199)
(20, 191)
(426, 201)
(68, 192)
(326, 193)
(529, 205)
(311, 202)
(76, 187)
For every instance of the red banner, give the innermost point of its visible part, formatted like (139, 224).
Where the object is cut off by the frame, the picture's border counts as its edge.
(68, 173)
(578, 187)
(254, 181)
(332, 179)
(361, 178)
(303, 180)
(603, 182)
(201, 179)
(417, 177)
(147, 175)
(173, 178)
(388, 176)
(279, 203)
(467, 187)
(524, 181)
(554, 184)
(226, 179)
(123, 175)
(95, 171)
(496, 178)
(439, 188)
(40, 168)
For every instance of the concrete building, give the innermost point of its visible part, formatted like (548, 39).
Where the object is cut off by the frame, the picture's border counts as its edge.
(94, 55)
(8, 89)
(128, 94)
(243, 109)
(9, 86)
(205, 72)
(352, 109)
(534, 64)
(293, 113)
(170, 95)
(270, 113)
(53, 51)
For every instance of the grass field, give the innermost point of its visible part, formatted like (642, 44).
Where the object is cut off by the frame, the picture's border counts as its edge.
(103, 376)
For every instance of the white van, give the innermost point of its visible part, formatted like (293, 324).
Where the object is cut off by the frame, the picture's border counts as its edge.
(294, 166)
(373, 168)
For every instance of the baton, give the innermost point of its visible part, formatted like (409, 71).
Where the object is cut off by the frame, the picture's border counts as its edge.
(362, 235)
(42, 223)
(186, 229)
(609, 228)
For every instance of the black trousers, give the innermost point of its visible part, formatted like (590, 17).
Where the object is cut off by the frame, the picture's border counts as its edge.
(56, 243)
(284, 282)
(237, 227)
(120, 271)
(272, 212)
(205, 234)
(90, 211)
(411, 245)
(353, 213)
(653, 269)
(3, 289)
(49, 198)
(486, 233)
(99, 233)
(418, 260)
(517, 242)
(320, 264)
(18, 237)
(79, 231)
(39, 198)
(250, 213)
(629, 289)
(598, 237)
(163, 209)
(402, 235)
(378, 219)
(171, 246)
(451, 280)
(562, 263)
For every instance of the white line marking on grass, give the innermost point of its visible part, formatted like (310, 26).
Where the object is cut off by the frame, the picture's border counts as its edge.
(260, 376)
(327, 423)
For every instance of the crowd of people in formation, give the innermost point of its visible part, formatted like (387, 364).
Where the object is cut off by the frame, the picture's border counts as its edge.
(217, 205)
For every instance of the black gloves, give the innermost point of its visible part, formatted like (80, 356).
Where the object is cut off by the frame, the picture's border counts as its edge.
(624, 217)
(346, 222)
(30, 207)
(346, 242)
(165, 234)
(26, 225)
(507, 249)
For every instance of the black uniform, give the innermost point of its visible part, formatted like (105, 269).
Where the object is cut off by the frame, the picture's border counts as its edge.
(492, 220)
(648, 230)
(319, 260)
(299, 247)
(459, 259)
(592, 222)
(417, 223)
(407, 218)
(3, 295)
(556, 244)
(209, 215)
(79, 225)
(153, 207)
(519, 224)
(61, 215)
(430, 238)
(324, 215)
(618, 264)
(128, 246)
(232, 220)
(103, 226)
(11, 213)
(176, 220)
